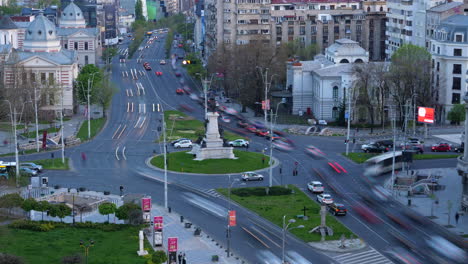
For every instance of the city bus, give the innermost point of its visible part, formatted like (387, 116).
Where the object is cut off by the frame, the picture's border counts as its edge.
(381, 164)
(149, 33)
(6, 168)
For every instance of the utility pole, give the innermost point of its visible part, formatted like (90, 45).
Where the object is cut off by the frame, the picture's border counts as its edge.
(62, 128)
(37, 122)
(89, 112)
(266, 98)
(205, 92)
(16, 145)
(349, 121)
(165, 159)
(270, 163)
(393, 116)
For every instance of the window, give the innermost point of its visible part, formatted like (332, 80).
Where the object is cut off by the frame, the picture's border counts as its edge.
(43, 77)
(457, 69)
(354, 7)
(457, 52)
(456, 83)
(455, 98)
(335, 92)
(76, 45)
(86, 45)
(336, 29)
(335, 112)
(51, 78)
(33, 77)
(438, 66)
(322, 7)
(313, 30)
(290, 31)
(438, 50)
(332, 7)
(432, 64)
(458, 37)
(66, 46)
(302, 30)
(86, 60)
(277, 8)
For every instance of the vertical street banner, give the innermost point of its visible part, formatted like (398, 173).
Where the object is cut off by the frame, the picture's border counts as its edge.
(266, 104)
(172, 244)
(44, 139)
(232, 218)
(146, 204)
(426, 115)
(158, 223)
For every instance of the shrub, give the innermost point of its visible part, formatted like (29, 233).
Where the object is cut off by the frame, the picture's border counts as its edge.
(279, 190)
(261, 191)
(31, 225)
(159, 257)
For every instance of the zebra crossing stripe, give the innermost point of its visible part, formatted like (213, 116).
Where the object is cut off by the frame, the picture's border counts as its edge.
(366, 257)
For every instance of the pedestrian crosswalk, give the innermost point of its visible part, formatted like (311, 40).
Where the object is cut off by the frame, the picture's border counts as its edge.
(370, 256)
(212, 192)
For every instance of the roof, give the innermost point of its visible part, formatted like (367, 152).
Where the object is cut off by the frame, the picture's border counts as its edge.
(456, 24)
(445, 7)
(70, 31)
(41, 29)
(279, 2)
(63, 57)
(72, 12)
(315, 64)
(7, 23)
(22, 24)
(346, 47)
(5, 48)
(335, 70)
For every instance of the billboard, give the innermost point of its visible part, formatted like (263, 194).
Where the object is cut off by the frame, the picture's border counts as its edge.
(172, 244)
(232, 218)
(158, 223)
(426, 115)
(146, 204)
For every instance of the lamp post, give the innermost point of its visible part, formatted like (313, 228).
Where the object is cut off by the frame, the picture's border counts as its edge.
(393, 119)
(267, 84)
(35, 115)
(13, 122)
(285, 228)
(228, 232)
(86, 247)
(160, 109)
(62, 128)
(283, 100)
(90, 83)
(206, 86)
(349, 117)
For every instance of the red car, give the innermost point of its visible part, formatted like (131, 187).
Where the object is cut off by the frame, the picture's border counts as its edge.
(241, 123)
(179, 91)
(261, 133)
(147, 66)
(180, 45)
(441, 147)
(177, 74)
(367, 214)
(251, 129)
(158, 73)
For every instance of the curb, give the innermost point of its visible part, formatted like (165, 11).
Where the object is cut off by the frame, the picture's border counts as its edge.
(276, 163)
(318, 245)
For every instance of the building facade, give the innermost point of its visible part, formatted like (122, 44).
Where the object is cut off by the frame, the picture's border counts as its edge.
(449, 50)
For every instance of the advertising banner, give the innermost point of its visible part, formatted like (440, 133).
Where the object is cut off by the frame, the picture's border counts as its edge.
(266, 104)
(232, 218)
(146, 204)
(172, 244)
(44, 139)
(426, 115)
(158, 223)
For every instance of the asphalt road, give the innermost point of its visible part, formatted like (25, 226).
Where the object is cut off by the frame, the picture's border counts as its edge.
(117, 157)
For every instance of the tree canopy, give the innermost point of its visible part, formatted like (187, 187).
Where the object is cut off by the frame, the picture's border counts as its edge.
(139, 11)
(107, 209)
(123, 212)
(457, 114)
(89, 75)
(59, 210)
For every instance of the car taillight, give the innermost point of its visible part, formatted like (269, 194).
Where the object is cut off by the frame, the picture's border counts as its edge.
(386, 149)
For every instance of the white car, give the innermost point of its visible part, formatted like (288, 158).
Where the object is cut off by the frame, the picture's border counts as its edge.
(251, 176)
(445, 248)
(183, 144)
(325, 198)
(238, 143)
(315, 187)
(162, 62)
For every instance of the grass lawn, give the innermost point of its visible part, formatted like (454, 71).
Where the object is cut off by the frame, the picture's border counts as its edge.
(96, 126)
(183, 162)
(50, 247)
(29, 151)
(273, 208)
(362, 157)
(53, 164)
(32, 134)
(180, 125)
(8, 127)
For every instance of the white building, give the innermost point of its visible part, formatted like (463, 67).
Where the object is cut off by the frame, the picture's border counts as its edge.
(449, 50)
(45, 63)
(319, 86)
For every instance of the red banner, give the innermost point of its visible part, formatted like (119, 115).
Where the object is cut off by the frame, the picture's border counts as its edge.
(44, 139)
(172, 244)
(426, 115)
(158, 223)
(266, 105)
(146, 204)
(232, 218)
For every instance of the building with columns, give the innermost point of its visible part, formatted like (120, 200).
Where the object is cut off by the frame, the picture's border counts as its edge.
(319, 86)
(46, 64)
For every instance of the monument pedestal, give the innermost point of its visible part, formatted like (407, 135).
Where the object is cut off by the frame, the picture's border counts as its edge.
(214, 144)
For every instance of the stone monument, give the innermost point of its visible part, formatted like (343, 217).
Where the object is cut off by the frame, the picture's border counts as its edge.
(214, 144)
(323, 229)
(142, 251)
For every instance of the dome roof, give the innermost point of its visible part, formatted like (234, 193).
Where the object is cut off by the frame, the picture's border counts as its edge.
(41, 35)
(72, 16)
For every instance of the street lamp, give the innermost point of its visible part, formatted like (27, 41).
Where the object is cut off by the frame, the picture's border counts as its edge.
(206, 86)
(345, 85)
(283, 101)
(160, 109)
(285, 228)
(267, 84)
(90, 85)
(86, 248)
(228, 233)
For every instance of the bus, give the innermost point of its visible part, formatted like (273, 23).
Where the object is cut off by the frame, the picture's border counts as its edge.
(6, 169)
(149, 33)
(381, 164)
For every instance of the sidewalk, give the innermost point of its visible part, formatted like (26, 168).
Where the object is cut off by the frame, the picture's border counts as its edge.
(449, 201)
(198, 249)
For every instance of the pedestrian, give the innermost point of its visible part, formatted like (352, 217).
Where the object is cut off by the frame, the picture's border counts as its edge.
(457, 216)
(179, 257)
(184, 260)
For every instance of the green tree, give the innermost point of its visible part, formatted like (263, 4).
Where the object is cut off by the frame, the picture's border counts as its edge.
(123, 212)
(10, 201)
(457, 114)
(92, 74)
(42, 206)
(29, 204)
(109, 53)
(59, 210)
(107, 209)
(159, 257)
(299, 50)
(103, 95)
(139, 11)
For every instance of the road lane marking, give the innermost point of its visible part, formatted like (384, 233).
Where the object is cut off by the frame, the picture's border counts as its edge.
(142, 122)
(259, 240)
(123, 129)
(128, 107)
(154, 107)
(159, 108)
(144, 108)
(126, 91)
(132, 107)
(265, 236)
(138, 121)
(116, 153)
(131, 92)
(123, 153)
(116, 131)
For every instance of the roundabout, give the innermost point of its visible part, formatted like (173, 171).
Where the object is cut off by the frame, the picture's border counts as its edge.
(184, 162)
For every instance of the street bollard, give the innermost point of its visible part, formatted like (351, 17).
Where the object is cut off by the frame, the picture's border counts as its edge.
(169, 209)
(181, 218)
(409, 202)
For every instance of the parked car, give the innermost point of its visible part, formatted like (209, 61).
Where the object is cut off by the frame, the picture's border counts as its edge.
(251, 176)
(418, 148)
(162, 62)
(28, 171)
(386, 143)
(32, 166)
(337, 209)
(459, 149)
(374, 148)
(325, 198)
(441, 147)
(183, 144)
(315, 187)
(239, 143)
(178, 140)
